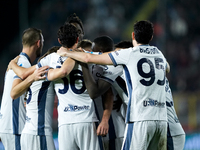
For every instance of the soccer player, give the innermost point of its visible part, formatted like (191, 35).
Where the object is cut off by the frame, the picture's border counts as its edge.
(85, 44)
(99, 80)
(120, 104)
(12, 117)
(76, 21)
(76, 112)
(144, 69)
(39, 113)
(175, 132)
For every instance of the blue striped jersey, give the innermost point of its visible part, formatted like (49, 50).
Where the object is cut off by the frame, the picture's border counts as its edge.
(144, 69)
(12, 116)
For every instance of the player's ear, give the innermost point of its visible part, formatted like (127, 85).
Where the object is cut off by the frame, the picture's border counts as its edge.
(77, 39)
(168, 68)
(151, 37)
(59, 41)
(133, 35)
(38, 43)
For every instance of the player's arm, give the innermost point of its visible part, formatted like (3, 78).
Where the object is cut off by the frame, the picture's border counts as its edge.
(94, 88)
(20, 71)
(66, 68)
(108, 103)
(19, 86)
(90, 58)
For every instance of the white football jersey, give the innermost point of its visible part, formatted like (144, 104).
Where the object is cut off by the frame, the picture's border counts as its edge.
(74, 102)
(12, 116)
(173, 122)
(40, 105)
(113, 75)
(109, 73)
(144, 70)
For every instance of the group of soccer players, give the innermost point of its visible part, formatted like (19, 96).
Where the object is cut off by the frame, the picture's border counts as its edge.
(110, 96)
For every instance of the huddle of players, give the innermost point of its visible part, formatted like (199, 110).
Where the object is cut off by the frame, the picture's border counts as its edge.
(79, 88)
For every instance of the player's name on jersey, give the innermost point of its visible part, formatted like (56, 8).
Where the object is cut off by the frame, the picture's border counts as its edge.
(149, 50)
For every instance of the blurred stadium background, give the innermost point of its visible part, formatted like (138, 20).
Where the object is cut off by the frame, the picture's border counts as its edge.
(177, 35)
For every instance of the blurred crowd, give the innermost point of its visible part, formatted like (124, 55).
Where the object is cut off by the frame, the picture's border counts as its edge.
(183, 44)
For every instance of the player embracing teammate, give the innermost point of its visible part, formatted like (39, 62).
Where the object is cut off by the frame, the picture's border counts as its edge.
(144, 69)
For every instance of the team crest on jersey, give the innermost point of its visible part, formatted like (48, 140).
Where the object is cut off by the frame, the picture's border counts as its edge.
(76, 108)
(155, 103)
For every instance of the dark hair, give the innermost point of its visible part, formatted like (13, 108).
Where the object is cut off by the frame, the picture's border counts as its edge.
(74, 19)
(103, 43)
(85, 43)
(30, 36)
(124, 44)
(143, 31)
(51, 50)
(67, 35)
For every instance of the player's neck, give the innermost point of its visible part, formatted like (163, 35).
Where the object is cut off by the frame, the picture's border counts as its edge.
(30, 52)
(139, 44)
(69, 48)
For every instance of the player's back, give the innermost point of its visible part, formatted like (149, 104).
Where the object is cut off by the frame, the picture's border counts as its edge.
(144, 70)
(147, 83)
(75, 103)
(40, 104)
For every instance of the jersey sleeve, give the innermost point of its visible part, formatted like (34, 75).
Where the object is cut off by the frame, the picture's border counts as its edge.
(120, 56)
(23, 63)
(44, 61)
(96, 70)
(107, 72)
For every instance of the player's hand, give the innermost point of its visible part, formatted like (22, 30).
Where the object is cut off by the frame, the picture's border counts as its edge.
(13, 61)
(63, 54)
(103, 128)
(39, 73)
(117, 103)
(62, 51)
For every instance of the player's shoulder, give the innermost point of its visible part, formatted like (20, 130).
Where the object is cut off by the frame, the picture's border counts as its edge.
(47, 60)
(49, 57)
(23, 62)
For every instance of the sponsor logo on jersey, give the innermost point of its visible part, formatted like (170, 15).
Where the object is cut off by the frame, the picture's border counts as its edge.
(149, 50)
(155, 103)
(76, 108)
(28, 119)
